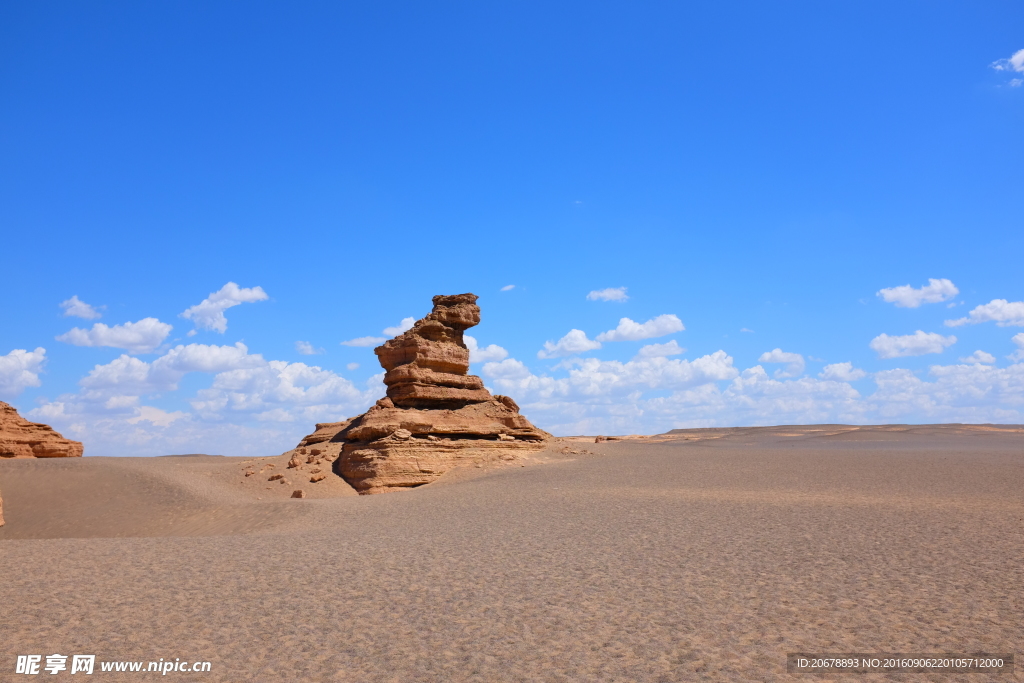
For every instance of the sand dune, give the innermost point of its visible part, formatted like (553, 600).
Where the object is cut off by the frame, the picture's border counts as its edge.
(697, 555)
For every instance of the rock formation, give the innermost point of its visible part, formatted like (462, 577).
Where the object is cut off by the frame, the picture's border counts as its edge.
(20, 438)
(435, 415)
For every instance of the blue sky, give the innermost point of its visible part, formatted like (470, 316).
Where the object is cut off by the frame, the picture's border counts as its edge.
(753, 175)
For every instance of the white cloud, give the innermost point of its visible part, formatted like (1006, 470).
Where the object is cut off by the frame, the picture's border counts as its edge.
(590, 377)
(129, 376)
(157, 417)
(508, 288)
(144, 431)
(755, 398)
(628, 330)
(206, 358)
(365, 341)
(398, 329)
(143, 336)
(960, 393)
(1014, 63)
(917, 344)
(601, 397)
(259, 407)
(794, 362)
(1018, 339)
(608, 397)
(744, 329)
(307, 349)
(209, 313)
(491, 352)
(352, 366)
(671, 348)
(20, 369)
(118, 402)
(79, 309)
(979, 356)
(906, 296)
(1016, 82)
(1000, 311)
(508, 369)
(115, 435)
(842, 372)
(610, 294)
(401, 327)
(125, 375)
(235, 415)
(575, 341)
(263, 392)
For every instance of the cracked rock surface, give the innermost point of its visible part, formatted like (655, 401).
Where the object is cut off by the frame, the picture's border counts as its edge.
(20, 438)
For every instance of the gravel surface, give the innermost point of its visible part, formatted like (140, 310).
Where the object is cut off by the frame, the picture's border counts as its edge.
(660, 560)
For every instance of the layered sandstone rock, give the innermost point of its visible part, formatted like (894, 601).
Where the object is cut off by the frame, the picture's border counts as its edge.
(20, 438)
(435, 415)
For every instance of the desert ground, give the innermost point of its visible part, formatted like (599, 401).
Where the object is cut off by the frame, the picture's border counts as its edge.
(695, 555)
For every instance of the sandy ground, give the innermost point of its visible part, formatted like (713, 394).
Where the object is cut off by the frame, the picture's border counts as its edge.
(698, 555)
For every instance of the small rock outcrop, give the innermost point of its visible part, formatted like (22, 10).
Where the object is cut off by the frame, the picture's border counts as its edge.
(20, 438)
(435, 415)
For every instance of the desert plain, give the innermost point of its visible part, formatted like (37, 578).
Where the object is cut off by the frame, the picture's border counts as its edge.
(693, 555)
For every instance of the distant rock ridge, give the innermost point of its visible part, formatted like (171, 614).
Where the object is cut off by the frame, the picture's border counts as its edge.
(20, 438)
(435, 415)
